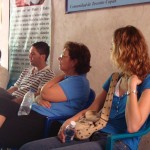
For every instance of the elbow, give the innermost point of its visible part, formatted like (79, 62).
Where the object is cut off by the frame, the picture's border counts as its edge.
(132, 129)
(44, 95)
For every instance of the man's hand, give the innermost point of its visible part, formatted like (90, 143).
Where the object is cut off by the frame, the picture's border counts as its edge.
(12, 89)
(18, 100)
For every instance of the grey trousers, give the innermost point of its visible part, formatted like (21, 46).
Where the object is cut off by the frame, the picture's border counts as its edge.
(54, 143)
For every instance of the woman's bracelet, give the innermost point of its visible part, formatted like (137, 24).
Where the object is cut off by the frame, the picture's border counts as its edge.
(133, 91)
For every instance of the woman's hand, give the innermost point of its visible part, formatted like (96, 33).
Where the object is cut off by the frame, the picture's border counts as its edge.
(61, 134)
(133, 81)
(42, 102)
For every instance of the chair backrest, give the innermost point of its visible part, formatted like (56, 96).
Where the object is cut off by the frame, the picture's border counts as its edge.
(91, 98)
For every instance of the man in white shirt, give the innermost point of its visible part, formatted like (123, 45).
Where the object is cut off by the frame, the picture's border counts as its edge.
(4, 76)
(33, 77)
(36, 75)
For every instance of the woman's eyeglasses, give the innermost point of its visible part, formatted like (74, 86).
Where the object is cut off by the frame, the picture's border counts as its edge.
(63, 56)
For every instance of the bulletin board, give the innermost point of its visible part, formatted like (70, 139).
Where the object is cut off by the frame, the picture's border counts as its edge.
(30, 22)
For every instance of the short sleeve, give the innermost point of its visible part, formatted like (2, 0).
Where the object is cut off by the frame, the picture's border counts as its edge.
(106, 84)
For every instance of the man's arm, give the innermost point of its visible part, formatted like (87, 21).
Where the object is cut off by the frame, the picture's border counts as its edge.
(17, 83)
(18, 100)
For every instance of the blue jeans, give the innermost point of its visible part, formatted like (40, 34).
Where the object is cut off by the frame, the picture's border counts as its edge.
(119, 145)
(96, 142)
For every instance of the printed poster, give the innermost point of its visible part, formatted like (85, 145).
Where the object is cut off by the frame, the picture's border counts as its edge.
(30, 22)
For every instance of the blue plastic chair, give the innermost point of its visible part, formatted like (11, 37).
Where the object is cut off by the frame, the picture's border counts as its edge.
(112, 138)
(50, 120)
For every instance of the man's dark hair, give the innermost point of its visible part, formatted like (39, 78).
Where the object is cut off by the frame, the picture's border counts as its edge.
(81, 53)
(0, 54)
(42, 48)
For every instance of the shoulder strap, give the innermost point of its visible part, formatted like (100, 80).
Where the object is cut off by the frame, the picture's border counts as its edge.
(105, 111)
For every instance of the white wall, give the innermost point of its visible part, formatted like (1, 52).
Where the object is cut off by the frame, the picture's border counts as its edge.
(4, 33)
(95, 29)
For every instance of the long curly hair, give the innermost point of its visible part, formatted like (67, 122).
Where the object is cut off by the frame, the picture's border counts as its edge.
(130, 52)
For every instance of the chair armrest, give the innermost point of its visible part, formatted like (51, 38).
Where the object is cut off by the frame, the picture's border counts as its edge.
(112, 138)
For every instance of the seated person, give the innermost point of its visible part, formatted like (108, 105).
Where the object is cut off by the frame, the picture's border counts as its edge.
(63, 95)
(131, 102)
(4, 76)
(34, 76)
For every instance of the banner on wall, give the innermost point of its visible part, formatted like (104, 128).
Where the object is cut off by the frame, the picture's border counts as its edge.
(80, 5)
(30, 21)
